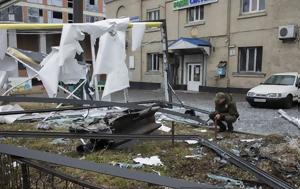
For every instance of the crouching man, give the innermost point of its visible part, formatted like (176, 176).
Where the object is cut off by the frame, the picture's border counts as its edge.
(225, 113)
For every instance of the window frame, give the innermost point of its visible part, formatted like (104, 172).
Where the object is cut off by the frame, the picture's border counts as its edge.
(250, 11)
(34, 15)
(155, 13)
(256, 63)
(70, 3)
(155, 62)
(200, 14)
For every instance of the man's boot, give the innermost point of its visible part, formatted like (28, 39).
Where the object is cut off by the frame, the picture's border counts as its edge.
(222, 126)
(230, 127)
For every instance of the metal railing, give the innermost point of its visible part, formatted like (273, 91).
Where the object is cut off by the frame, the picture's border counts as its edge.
(16, 173)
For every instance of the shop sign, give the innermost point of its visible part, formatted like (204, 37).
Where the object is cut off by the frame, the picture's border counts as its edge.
(183, 4)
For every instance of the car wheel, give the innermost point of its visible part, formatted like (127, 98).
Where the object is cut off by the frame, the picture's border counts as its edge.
(288, 102)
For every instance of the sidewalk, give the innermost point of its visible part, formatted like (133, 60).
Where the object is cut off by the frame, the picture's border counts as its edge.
(252, 120)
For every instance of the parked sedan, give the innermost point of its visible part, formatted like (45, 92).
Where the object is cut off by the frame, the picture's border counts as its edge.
(278, 90)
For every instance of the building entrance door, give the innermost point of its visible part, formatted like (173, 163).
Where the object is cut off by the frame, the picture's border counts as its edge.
(194, 76)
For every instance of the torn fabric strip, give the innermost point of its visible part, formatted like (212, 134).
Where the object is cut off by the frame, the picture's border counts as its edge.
(3, 43)
(111, 58)
(138, 30)
(49, 74)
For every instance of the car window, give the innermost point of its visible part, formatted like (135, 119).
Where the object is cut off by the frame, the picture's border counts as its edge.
(280, 80)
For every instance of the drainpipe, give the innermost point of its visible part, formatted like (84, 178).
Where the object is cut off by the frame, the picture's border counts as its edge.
(141, 49)
(228, 41)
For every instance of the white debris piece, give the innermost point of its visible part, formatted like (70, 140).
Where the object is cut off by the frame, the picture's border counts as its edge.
(10, 118)
(111, 58)
(251, 140)
(153, 160)
(293, 120)
(165, 129)
(138, 30)
(197, 156)
(3, 44)
(191, 141)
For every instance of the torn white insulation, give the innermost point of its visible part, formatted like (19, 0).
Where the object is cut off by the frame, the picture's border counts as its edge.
(153, 160)
(69, 68)
(10, 118)
(3, 78)
(3, 43)
(69, 43)
(49, 74)
(111, 58)
(290, 119)
(165, 129)
(138, 30)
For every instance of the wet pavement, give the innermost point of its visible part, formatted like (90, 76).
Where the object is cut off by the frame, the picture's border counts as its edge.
(253, 120)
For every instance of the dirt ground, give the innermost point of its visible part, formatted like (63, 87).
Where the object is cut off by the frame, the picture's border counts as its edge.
(277, 155)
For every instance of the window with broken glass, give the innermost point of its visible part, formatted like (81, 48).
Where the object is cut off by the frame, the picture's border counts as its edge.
(250, 59)
(153, 62)
(253, 6)
(153, 14)
(195, 14)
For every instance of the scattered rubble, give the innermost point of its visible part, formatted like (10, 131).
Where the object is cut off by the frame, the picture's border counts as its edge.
(153, 161)
(295, 121)
(9, 119)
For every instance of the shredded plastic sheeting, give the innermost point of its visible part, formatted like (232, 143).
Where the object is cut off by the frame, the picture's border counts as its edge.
(111, 58)
(165, 129)
(192, 141)
(154, 161)
(295, 121)
(138, 31)
(3, 43)
(69, 116)
(10, 118)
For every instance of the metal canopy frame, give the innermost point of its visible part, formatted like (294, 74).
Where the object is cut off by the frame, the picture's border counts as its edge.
(70, 93)
(157, 24)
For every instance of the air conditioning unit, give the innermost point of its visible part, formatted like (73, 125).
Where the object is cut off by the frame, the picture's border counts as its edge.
(287, 32)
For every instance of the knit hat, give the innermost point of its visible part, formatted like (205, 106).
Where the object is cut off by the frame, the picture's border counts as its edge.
(219, 96)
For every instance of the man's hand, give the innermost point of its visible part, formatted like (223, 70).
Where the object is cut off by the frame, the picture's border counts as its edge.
(217, 117)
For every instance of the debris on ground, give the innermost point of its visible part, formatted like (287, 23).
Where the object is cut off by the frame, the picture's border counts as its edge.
(127, 165)
(60, 141)
(229, 182)
(295, 121)
(125, 122)
(9, 119)
(165, 129)
(192, 141)
(153, 161)
(276, 154)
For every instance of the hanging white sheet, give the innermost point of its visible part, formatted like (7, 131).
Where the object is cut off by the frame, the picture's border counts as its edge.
(49, 74)
(3, 43)
(111, 58)
(138, 31)
(9, 64)
(72, 72)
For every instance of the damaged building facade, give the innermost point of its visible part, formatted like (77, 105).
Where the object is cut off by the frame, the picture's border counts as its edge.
(213, 44)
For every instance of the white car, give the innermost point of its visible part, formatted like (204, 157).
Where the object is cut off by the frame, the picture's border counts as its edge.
(278, 90)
